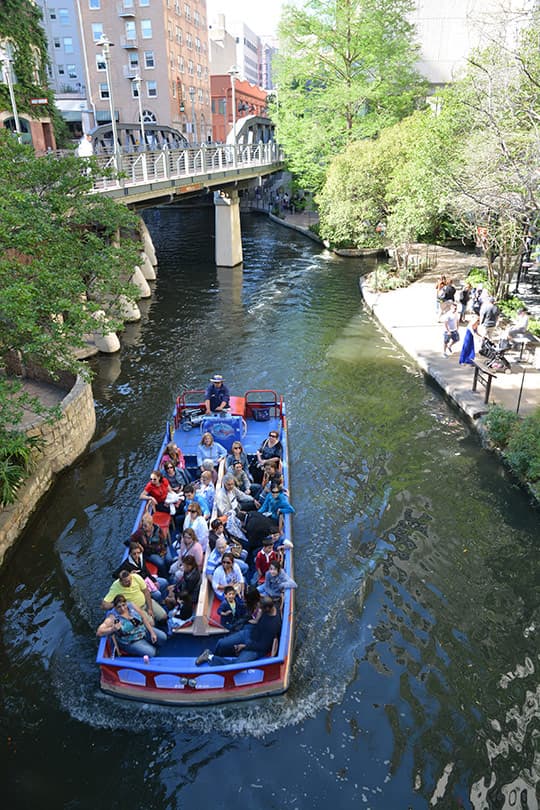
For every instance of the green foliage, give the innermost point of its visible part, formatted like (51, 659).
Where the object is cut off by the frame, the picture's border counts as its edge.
(64, 254)
(510, 306)
(345, 71)
(476, 276)
(386, 278)
(20, 25)
(17, 459)
(523, 450)
(501, 424)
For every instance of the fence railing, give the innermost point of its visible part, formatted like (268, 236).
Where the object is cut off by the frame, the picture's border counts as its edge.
(138, 168)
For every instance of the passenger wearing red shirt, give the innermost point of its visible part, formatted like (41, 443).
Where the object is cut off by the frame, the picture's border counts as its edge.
(266, 556)
(156, 489)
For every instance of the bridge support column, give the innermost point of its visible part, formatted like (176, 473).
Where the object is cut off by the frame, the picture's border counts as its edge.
(228, 233)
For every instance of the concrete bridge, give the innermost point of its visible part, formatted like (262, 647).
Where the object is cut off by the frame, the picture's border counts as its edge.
(148, 178)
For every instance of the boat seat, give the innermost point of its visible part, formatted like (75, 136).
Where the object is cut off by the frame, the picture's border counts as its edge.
(225, 429)
(238, 406)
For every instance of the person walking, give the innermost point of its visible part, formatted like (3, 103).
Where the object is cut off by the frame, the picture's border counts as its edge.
(451, 333)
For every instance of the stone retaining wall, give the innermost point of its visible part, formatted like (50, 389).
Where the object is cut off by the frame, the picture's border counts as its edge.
(65, 440)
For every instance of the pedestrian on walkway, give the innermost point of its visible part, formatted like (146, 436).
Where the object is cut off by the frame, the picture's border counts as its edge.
(489, 315)
(451, 333)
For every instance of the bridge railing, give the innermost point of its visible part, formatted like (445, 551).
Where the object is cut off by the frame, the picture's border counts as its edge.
(170, 164)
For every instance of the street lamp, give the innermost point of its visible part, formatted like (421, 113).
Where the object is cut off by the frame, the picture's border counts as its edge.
(7, 63)
(136, 83)
(233, 73)
(106, 45)
(193, 122)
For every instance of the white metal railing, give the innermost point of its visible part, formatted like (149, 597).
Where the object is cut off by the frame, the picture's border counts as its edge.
(140, 168)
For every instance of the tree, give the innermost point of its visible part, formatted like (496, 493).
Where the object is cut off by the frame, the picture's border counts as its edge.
(345, 71)
(64, 254)
(494, 180)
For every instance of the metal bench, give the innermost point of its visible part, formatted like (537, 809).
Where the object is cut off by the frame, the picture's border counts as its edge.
(484, 376)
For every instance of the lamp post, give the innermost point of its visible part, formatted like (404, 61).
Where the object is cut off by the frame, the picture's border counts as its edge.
(193, 121)
(106, 45)
(136, 82)
(7, 63)
(233, 73)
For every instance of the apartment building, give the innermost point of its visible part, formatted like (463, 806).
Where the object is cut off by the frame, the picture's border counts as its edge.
(164, 42)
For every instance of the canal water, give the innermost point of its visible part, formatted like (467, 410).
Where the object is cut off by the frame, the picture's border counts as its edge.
(415, 680)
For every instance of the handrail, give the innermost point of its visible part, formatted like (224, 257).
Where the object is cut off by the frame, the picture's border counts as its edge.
(175, 164)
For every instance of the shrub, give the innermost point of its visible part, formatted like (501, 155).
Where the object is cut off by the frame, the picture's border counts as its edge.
(510, 306)
(477, 275)
(523, 451)
(17, 457)
(500, 424)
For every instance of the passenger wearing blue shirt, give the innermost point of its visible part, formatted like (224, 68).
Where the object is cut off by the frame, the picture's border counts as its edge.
(276, 504)
(216, 398)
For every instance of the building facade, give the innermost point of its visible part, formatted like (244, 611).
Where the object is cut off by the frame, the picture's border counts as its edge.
(162, 42)
(249, 99)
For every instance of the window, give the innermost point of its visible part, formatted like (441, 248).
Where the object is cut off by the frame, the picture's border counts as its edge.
(52, 13)
(199, 71)
(63, 16)
(187, 11)
(173, 87)
(94, 4)
(181, 64)
(61, 70)
(97, 31)
(197, 44)
(56, 42)
(134, 90)
(200, 95)
(100, 62)
(146, 29)
(131, 31)
(179, 35)
(68, 45)
(133, 60)
(151, 89)
(196, 18)
(72, 71)
(103, 90)
(144, 2)
(189, 40)
(190, 67)
(149, 61)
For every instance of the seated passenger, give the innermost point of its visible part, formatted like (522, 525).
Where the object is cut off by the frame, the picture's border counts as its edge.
(230, 499)
(217, 529)
(255, 640)
(192, 495)
(207, 489)
(156, 492)
(265, 557)
(181, 613)
(271, 478)
(189, 545)
(242, 480)
(135, 562)
(176, 477)
(276, 504)
(232, 611)
(132, 628)
(227, 573)
(237, 454)
(215, 557)
(133, 588)
(189, 582)
(271, 450)
(217, 396)
(209, 449)
(174, 455)
(276, 582)
(194, 520)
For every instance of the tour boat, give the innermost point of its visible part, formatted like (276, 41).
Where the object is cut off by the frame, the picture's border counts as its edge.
(172, 676)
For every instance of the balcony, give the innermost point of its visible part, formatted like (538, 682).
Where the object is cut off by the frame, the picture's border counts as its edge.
(129, 43)
(129, 71)
(126, 9)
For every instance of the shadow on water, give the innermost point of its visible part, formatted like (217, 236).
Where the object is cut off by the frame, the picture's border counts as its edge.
(415, 677)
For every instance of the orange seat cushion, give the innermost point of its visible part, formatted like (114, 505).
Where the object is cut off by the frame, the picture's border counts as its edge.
(238, 406)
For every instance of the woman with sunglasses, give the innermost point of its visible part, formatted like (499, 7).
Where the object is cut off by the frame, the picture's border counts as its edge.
(176, 476)
(237, 454)
(227, 573)
(132, 629)
(194, 520)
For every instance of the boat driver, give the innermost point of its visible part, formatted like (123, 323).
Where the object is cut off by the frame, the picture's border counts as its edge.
(217, 395)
